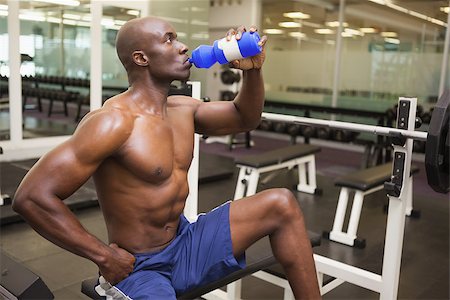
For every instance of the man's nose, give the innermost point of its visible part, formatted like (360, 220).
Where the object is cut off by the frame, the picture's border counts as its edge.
(183, 48)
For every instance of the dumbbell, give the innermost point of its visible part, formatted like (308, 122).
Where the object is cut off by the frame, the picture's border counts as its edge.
(265, 125)
(229, 77)
(280, 127)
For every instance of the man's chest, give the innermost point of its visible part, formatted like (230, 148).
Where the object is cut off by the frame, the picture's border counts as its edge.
(155, 149)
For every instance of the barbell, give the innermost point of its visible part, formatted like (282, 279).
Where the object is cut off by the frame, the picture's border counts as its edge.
(437, 138)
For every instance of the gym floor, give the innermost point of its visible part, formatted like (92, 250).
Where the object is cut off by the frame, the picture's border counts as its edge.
(425, 262)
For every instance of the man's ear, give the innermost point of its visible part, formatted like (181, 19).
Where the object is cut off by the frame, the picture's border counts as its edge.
(140, 58)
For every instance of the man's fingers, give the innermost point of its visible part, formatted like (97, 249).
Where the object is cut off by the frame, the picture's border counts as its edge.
(262, 41)
(230, 32)
(240, 31)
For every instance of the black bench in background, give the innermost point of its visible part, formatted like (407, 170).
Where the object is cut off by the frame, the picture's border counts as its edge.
(362, 183)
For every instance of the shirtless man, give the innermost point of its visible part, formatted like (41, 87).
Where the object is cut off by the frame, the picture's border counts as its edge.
(138, 148)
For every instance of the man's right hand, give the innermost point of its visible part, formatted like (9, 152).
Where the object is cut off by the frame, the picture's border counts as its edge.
(118, 265)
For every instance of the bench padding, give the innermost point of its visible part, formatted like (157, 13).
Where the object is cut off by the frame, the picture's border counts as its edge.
(369, 178)
(258, 257)
(277, 156)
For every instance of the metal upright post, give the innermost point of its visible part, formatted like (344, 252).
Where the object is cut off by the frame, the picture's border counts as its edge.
(401, 169)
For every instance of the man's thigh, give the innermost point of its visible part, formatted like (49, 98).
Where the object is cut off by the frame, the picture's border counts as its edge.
(206, 255)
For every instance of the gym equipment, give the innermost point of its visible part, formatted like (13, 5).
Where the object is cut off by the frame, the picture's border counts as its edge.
(437, 146)
(230, 77)
(18, 282)
(224, 51)
(362, 183)
(302, 156)
(436, 155)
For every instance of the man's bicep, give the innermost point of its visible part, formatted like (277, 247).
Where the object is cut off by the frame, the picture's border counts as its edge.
(217, 118)
(61, 172)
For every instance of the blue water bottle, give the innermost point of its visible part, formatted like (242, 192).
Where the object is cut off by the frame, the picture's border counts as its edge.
(224, 51)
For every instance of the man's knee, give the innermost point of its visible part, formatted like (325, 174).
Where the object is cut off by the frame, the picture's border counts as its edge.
(284, 205)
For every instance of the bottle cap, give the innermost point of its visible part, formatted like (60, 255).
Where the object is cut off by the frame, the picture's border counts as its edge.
(203, 56)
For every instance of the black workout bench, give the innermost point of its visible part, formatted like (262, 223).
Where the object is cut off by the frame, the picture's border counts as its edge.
(300, 155)
(258, 257)
(362, 183)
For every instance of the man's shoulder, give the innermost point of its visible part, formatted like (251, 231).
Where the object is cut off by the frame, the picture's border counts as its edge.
(181, 101)
(110, 118)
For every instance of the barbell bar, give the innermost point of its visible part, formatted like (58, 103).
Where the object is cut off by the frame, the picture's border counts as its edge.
(378, 130)
(437, 138)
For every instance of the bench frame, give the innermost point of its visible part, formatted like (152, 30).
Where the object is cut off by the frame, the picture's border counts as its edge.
(350, 237)
(249, 176)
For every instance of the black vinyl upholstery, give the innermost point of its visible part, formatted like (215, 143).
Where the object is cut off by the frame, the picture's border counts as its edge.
(277, 156)
(369, 178)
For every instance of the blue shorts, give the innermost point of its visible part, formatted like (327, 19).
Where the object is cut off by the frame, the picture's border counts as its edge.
(200, 253)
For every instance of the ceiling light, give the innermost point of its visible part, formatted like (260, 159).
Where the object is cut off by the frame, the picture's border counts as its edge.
(389, 4)
(299, 35)
(324, 31)
(107, 22)
(32, 16)
(273, 31)
(368, 30)
(3, 13)
(296, 15)
(62, 2)
(389, 34)
(3, 7)
(53, 20)
(392, 41)
(289, 24)
(335, 24)
(83, 23)
(119, 22)
(71, 16)
(445, 9)
(86, 18)
(70, 22)
(353, 31)
(133, 12)
(346, 34)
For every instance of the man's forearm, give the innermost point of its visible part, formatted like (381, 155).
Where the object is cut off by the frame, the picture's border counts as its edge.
(250, 99)
(52, 219)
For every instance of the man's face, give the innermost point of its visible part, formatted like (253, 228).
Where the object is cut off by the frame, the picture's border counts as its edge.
(168, 59)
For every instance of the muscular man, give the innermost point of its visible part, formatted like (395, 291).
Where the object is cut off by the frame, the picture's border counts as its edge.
(138, 148)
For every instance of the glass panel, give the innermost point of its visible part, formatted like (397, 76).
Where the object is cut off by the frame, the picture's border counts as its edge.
(114, 77)
(300, 56)
(4, 73)
(55, 50)
(191, 21)
(391, 50)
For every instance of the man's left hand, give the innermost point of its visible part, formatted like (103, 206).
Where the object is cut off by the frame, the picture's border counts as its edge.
(253, 62)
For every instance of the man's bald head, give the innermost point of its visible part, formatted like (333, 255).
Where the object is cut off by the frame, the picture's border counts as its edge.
(133, 36)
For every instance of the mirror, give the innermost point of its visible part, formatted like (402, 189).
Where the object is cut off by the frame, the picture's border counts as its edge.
(55, 51)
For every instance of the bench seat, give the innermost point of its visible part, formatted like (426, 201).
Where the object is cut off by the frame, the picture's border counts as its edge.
(277, 156)
(367, 179)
